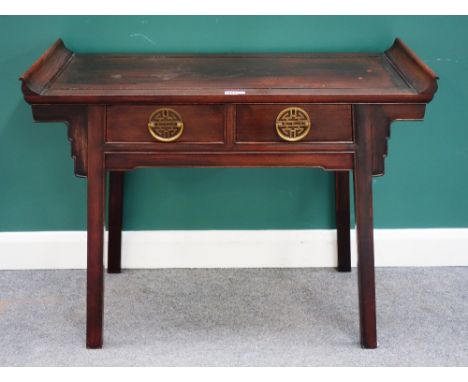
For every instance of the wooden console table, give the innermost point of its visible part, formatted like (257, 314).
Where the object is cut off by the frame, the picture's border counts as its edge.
(259, 110)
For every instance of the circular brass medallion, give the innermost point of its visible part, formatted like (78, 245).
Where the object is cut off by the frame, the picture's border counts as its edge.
(165, 125)
(292, 124)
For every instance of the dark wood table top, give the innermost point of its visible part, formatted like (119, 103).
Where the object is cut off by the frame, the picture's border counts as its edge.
(61, 76)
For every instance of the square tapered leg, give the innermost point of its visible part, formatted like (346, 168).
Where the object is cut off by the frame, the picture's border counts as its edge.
(363, 171)
(342, 206)
(96, 208)
(115, 212)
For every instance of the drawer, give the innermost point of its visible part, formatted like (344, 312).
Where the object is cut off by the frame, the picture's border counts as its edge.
(171, 123)
(298, 122)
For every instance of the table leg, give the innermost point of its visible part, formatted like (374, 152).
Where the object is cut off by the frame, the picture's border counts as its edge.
(364, 224)
(96, 208)
(114, 256)
(343, 220)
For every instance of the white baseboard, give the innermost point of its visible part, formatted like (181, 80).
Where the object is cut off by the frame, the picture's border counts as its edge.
(234, 249)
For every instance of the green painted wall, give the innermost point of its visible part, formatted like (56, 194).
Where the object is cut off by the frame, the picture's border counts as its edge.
(426, 177)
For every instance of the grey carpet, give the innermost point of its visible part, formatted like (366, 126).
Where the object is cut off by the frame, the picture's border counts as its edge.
(235, 317)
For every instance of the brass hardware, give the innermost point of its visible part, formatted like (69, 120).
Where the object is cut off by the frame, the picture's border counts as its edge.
(292, 124)
(165, 125)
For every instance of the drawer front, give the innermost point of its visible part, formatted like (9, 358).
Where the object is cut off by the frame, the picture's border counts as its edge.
(293, 123)
(162, 124)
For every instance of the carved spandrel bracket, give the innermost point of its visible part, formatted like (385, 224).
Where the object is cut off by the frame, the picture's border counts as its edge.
(381, 117)
(76, 117)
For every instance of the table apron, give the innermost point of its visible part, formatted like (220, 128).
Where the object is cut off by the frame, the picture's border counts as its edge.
(333, 161)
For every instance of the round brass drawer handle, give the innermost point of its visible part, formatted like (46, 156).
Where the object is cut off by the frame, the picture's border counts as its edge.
(165, 125)
(292, 124)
